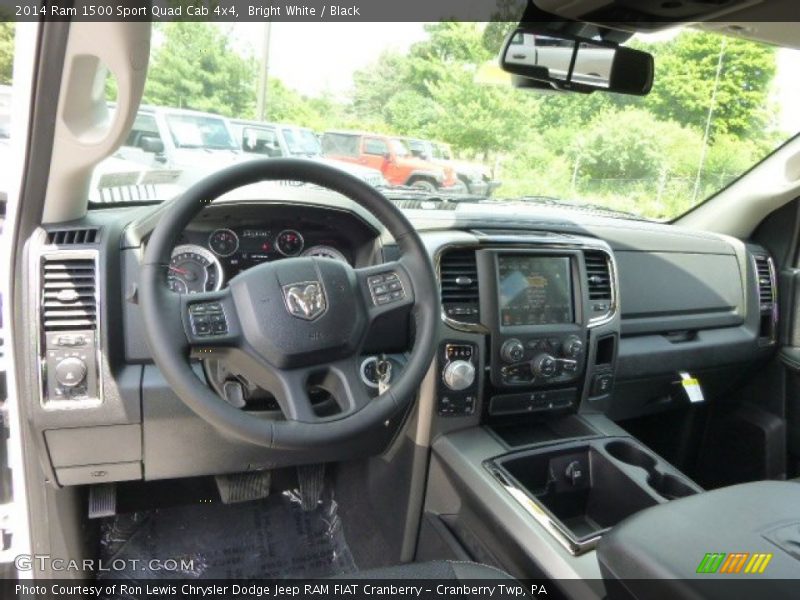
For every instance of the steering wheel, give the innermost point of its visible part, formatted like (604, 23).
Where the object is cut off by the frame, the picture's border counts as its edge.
(290, 324)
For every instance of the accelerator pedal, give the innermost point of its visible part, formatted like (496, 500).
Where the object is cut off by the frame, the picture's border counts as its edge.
(102, 500)
(310, 480)
(243, 487)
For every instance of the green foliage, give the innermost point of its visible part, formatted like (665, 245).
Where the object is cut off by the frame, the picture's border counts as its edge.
(196, 68)
(6, 52)
(686, 71)
(637, 154)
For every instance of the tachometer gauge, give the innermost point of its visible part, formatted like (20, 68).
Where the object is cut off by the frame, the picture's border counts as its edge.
(194, 269)
(325, 252)
(289, 242)
(223, 242)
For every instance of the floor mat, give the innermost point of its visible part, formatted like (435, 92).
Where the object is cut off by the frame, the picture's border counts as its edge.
(270, 539)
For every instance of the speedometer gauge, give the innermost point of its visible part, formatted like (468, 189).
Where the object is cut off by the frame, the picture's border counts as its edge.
(325, 252)
(223, 242)
(193, 269)
(289, 242)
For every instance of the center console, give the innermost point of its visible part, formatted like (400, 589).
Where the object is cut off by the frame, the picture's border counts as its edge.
(527, 473)
(547, 312)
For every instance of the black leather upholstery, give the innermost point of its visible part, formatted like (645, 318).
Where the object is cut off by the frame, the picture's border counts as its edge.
(441, 570)
(662, 548)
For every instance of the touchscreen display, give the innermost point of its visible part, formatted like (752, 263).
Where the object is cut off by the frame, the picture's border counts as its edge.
(535, 290)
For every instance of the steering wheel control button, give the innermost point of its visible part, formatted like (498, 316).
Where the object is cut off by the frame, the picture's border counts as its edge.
(385, 288)
(207, 319)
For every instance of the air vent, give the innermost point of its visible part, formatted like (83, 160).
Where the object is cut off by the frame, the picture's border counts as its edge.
(458, 275)
(67, 237)
(598, 275)
(68, 293)
(766, 283)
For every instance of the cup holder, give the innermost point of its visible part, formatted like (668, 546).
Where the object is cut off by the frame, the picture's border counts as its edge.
(630, 454)
(669, 486)
(666, 485)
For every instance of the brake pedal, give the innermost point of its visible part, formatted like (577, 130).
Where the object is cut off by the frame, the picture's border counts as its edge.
(243, 487)
(310, 481)
(102, 500)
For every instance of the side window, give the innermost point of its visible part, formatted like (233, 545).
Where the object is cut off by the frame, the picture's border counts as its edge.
(375, 146)
(143, 126)
(260, 141)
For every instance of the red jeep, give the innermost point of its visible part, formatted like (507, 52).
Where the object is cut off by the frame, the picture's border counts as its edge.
(391, 156)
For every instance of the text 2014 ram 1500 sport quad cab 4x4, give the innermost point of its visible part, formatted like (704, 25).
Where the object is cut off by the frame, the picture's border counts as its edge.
(272, 372)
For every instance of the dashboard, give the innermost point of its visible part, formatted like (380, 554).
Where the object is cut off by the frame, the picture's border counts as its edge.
(540, 316)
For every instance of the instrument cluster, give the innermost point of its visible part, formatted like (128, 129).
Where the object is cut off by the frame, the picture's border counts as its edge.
(208, 260)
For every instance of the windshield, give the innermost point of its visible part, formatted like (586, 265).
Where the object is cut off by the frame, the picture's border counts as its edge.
(190, 131)
(719, 106)
(302, 141)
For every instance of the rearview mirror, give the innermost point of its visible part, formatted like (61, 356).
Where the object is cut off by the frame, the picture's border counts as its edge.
(150, 143)
(576, 64)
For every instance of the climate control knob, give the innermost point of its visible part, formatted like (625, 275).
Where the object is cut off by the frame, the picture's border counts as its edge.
(70, 372)
(544, 365)
(573, 346)
(512, 351)
(459, 375)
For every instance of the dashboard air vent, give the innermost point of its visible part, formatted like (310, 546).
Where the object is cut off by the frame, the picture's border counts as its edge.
(68, 293)
(766, 283)
(458, 275)
(67, 237)
(598, 275)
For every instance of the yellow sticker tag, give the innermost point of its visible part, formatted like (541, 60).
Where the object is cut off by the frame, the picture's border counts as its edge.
(691, 386)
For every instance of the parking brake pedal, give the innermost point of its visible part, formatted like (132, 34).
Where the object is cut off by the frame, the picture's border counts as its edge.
(102, 500)
(310, 480)
(243, 487)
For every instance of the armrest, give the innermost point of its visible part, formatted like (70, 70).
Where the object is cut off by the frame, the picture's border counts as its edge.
(719, 544)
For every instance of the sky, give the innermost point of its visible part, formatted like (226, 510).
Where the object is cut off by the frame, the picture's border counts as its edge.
(352, 44)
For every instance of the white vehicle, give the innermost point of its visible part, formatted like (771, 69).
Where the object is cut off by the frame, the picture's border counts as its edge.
(592, 64)
(166, 151)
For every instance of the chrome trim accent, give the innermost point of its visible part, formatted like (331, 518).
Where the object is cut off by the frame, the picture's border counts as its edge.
(215, 232)
(302, 243)
(305, 299)
(38, 259)
(437, 266)
(362, 372)
(774, 283)
(529, 242)
(540, 515)
(614, 285)
(205, 253)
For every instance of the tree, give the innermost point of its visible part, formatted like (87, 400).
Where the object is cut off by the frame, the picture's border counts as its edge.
(6, 52)
(195, 68)
(480, 119)
(686, 70)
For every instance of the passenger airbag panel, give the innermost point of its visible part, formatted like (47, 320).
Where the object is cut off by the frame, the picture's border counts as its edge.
(667, 291)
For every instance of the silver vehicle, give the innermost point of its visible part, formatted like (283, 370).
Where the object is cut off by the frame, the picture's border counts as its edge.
(477, 178)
